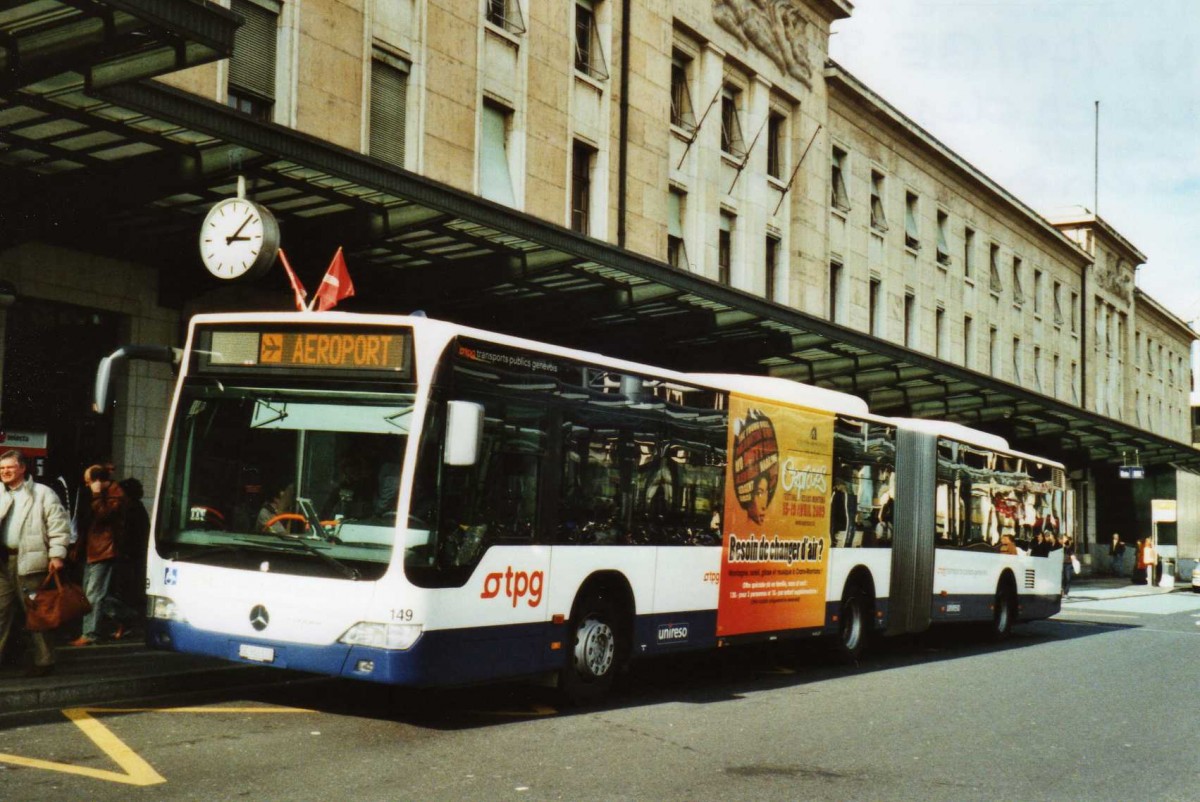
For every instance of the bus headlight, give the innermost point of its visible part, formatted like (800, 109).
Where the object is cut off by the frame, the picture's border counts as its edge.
(163, 608)
(382, 636)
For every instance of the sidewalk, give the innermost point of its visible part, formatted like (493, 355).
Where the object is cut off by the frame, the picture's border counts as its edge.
(1092, 588)
(110, 673)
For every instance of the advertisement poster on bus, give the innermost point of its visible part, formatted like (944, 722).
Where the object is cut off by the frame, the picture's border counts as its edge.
(776, 523)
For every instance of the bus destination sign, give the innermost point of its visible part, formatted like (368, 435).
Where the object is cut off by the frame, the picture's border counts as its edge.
(331, 350)
(353, 350)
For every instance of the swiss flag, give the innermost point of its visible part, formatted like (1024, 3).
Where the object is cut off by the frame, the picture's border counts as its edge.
(336, 285)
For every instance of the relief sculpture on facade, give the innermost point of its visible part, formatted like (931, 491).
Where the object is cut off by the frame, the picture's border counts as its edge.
(775, 28)
(1118, 280)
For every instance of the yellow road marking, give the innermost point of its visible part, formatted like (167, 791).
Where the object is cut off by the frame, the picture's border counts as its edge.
(134, 770)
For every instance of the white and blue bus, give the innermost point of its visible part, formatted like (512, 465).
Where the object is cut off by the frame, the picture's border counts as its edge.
(408, 501)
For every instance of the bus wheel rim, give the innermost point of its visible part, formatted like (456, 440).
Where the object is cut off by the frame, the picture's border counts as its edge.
(595, 648)
(851, 627)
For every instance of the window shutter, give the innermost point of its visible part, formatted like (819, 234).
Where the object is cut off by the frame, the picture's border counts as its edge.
(389, 102)
(495, 179)
(252, 65)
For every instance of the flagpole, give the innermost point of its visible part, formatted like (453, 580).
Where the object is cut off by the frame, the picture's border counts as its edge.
(299, 293)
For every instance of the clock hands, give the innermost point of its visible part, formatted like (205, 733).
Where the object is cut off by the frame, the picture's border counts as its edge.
(236, 236)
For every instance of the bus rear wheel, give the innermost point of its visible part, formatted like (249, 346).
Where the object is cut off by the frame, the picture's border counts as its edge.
(593, 650)
(1003, 612)
(853, 624)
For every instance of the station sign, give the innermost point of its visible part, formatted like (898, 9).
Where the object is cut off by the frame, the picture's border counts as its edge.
(1132, 472)
(1163, 511)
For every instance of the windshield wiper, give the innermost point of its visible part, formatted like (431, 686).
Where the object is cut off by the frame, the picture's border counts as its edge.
(339, 566)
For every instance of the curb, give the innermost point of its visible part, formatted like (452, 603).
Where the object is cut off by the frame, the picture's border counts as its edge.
(23, 701)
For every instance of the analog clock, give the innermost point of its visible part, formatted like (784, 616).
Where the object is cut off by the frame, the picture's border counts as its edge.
(239, 239)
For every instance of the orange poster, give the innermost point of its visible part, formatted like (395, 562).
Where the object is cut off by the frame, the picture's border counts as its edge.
(776, 524)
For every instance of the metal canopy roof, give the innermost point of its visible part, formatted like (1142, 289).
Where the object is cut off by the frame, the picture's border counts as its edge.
(50, 44)
(131, 169)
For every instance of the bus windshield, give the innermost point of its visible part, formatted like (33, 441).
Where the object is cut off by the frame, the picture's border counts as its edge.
(298, 481)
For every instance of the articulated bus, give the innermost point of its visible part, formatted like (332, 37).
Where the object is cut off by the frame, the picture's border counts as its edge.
(408, 501)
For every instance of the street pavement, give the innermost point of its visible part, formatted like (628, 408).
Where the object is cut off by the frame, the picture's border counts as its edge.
(121, 671)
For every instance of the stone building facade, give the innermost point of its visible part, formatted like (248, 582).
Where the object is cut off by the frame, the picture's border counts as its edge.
(713, 135)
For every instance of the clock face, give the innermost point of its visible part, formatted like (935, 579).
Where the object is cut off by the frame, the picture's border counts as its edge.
(238, 239)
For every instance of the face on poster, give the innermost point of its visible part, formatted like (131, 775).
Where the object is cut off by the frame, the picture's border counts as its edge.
(776, 527)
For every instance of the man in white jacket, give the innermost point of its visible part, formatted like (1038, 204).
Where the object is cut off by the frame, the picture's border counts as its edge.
(34, 531)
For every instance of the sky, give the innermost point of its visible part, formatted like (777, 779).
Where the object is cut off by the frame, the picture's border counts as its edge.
(1011, 86)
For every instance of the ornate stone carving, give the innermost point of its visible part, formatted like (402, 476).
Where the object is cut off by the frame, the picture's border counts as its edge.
(1117, 279)
(775, 28)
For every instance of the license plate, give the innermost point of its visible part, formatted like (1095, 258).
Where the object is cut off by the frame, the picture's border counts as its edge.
(259, 654)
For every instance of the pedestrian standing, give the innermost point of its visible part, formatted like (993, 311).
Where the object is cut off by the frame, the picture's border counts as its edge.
(102, 544)
(1068, 568)
(1116, 554)
(35, 530)
(1150, 559)
(131, 568)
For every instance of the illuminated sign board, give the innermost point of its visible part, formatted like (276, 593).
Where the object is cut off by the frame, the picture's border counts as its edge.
(1131, 472)
(371, 350)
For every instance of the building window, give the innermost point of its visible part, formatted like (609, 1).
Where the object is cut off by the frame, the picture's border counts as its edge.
(878, 218)
(943, 247)
(939, 332)
(969, 253)
(1017, 366)
(252, 66)
(505, 14)
(725, 249)
(874, 310)
(676, 248)
(835, 292)
(732, 141)
(1074, 313)
(1075, 383)
(912, 234)
(968, 341)
(1017, 287)
(771, 268)
(776, 143)
(910, 320)
(1057, 375)
(1037, 369)
(495, 176)
(1058, 314)
(995, 283)
(389, 103)
(1037, 291)
(837, 181)
(583, 159)
(683, 112)
(993, 365)
(589, 55)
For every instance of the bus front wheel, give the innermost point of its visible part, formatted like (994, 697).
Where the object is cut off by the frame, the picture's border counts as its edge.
(593, 650)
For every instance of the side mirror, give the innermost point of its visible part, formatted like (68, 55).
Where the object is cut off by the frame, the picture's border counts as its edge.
(149, 353)
(464, 432)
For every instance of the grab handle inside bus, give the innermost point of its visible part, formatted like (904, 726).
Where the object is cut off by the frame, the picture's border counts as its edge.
(464, 432)
(149, 353)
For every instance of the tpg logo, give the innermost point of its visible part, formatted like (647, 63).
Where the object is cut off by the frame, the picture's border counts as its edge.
(516, 585)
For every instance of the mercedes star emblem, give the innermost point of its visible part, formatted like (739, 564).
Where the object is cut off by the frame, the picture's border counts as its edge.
(259, 617)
